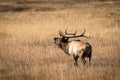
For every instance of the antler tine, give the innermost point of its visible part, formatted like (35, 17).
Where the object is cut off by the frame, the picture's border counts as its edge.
(75, 32)
(61, 34)
(83, 33)
(66, 31)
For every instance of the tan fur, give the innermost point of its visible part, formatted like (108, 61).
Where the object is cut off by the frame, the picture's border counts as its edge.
(76, 48)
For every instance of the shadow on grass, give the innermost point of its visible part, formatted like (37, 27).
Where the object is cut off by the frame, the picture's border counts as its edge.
(8, 8)
(4, 35)
(20, 77)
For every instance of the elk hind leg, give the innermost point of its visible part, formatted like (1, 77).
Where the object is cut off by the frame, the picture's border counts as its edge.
(83, 59)
(89, 59)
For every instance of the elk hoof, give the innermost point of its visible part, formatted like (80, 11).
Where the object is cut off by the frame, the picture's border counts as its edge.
(75, 64)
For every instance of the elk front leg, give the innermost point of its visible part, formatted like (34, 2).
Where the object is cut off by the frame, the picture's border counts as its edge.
(75, 60)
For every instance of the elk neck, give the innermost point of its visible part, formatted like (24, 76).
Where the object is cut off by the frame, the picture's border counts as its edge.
(64, 46)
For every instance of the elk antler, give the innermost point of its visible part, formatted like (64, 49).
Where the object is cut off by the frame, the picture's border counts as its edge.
(82, 35)
(65, 36)
(70, 33)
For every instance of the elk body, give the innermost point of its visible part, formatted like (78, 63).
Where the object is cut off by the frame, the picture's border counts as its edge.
(76, 48)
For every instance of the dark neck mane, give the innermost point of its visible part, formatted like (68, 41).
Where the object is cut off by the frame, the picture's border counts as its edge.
(64, 46)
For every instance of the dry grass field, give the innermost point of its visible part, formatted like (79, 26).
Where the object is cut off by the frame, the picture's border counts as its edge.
(27, 49)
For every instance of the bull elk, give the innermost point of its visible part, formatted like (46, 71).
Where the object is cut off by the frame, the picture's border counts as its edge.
(76, 48)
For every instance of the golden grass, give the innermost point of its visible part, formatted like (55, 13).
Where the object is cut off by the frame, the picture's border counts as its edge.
(27, 50)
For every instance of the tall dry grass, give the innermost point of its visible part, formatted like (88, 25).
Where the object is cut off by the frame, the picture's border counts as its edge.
(27, 50)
